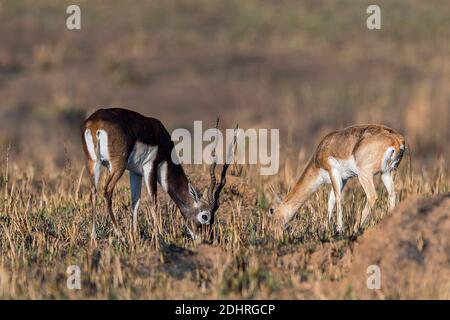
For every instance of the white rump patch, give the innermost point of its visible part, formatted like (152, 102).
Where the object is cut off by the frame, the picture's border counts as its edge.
(90, 144)
(92, 154)
(388, 157)
(102, 138)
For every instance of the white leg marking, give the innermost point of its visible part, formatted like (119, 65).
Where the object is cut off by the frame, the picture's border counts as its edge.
(97, 167)
(94, 203)
(162, 175)
(388, 182)
(102, 138)
(135, 186)
(332, 200)
(336, 176)
(147, 169)
(331, 203)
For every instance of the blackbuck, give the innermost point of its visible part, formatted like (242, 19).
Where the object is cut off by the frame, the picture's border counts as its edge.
(120, 140)
(357, 151)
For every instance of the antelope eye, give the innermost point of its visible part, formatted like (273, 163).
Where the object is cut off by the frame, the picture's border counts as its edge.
(203, 217)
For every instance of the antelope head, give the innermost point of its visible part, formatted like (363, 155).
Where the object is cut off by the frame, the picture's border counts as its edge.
(206, 207)
(277, 199)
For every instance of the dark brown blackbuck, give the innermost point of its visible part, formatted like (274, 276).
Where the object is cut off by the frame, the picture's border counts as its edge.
(121, 139)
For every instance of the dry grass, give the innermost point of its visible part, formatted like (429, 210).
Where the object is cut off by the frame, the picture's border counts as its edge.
(307, 67)
(45, 227)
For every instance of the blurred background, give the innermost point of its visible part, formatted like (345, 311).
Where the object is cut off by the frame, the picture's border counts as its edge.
(307, 67)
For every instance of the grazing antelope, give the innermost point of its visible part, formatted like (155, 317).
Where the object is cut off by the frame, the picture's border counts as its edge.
(357, 151)
(121, 139)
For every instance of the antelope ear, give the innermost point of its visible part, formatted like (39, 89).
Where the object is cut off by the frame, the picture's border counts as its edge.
(278, 199)
(194, 193)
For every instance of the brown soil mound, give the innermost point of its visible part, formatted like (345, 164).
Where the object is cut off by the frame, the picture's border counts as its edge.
(412, 248)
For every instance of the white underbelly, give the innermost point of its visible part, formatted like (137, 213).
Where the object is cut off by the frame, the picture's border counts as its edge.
(142, 158)
(348, 169)
(345, 168)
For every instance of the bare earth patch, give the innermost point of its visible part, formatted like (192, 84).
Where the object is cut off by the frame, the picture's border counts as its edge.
(412, 248)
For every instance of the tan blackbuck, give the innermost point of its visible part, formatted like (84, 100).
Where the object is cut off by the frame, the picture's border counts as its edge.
(357, 151)
(120, 140)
